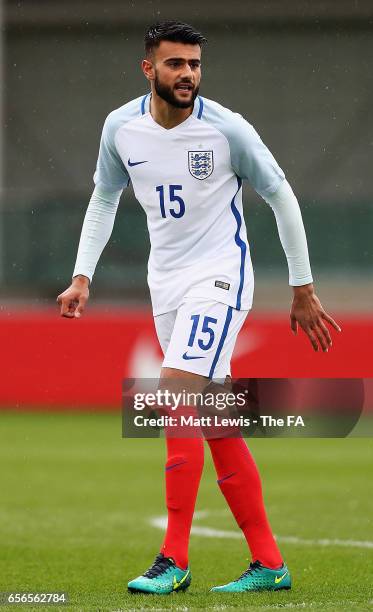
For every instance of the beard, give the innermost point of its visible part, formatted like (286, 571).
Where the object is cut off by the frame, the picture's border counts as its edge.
(167, 94)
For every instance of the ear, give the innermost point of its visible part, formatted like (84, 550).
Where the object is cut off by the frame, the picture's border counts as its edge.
(148, 69)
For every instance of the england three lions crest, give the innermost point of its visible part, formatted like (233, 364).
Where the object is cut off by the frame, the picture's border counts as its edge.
(201, 164)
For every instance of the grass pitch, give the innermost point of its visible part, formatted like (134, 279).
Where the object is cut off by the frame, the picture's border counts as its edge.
(77, 501)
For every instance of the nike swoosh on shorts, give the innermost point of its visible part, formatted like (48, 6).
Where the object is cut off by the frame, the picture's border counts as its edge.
(137, 163)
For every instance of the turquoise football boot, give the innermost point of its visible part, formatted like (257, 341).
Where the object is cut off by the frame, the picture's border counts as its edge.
(162, 578)
(258, 578)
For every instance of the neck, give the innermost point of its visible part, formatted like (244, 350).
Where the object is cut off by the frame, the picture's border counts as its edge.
(165, 114)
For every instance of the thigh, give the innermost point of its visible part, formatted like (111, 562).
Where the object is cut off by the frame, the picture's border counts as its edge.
(203, 338)
(164, 325)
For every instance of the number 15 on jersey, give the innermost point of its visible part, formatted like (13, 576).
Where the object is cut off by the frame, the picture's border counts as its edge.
(177, 211)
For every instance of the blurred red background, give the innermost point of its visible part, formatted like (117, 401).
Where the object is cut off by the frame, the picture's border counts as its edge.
(48, 361)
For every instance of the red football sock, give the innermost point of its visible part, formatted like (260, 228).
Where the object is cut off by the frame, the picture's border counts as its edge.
(183, 474)
(239, 481)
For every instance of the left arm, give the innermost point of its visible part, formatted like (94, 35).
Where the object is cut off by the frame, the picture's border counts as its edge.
(252, 160)
(306, 309)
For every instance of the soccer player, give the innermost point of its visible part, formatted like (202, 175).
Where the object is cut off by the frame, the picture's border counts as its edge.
(186, 157)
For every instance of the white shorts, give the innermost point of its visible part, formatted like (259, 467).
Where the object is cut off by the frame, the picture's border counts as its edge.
(199, 336)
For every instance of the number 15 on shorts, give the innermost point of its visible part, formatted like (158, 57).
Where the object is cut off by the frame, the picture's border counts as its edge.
(204, 330)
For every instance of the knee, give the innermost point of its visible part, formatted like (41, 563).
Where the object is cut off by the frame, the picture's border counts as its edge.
(189, 455)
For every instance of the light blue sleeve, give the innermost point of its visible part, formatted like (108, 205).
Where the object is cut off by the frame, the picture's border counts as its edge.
(250, 158)
(110, 174)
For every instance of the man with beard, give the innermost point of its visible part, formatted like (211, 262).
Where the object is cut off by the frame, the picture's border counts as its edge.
(186, 157)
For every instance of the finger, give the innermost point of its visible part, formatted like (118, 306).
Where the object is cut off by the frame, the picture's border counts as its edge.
(59, 298)
(67, 307)
(326, 333)
(331, 321)
(294, 325)
(322, 340)
(312, 339)
(64, 306)
(80, 308)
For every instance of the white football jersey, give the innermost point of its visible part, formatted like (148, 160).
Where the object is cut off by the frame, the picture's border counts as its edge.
(188, 179)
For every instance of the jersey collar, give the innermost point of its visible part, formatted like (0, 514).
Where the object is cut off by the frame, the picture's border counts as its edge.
(197, 108)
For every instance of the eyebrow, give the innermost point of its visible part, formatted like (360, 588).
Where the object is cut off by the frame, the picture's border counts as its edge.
(182, 59)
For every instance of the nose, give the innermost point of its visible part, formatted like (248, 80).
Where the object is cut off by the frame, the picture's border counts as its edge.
(187, 72)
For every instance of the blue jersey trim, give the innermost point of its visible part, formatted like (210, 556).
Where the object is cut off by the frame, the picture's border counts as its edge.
(143, 104)
(200, 111)
(222, 339)
(239, 243)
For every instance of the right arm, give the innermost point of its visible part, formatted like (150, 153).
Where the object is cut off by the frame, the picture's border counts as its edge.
(96, 231)
(110, 178)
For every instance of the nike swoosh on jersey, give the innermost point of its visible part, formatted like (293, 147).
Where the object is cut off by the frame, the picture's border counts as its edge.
(185, 356)
(137, 163)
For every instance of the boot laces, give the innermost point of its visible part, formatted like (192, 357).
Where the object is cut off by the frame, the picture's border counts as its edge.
(160, 566)
(256, 565)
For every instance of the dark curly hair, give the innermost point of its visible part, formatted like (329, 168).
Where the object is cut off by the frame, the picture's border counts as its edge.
(174, 31)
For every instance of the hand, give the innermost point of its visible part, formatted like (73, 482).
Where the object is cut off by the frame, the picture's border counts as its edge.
(307, 310)
(74, 299)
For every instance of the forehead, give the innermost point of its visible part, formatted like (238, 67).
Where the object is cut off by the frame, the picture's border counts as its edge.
(168, 49)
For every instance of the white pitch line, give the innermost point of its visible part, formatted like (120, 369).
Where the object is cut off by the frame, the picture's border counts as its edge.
(160, 522)
(326, 542)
